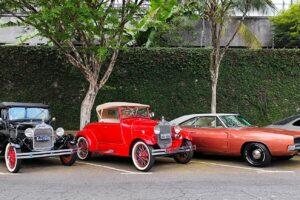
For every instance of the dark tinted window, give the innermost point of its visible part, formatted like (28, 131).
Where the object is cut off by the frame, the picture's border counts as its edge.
(287, 120)
(297, 123)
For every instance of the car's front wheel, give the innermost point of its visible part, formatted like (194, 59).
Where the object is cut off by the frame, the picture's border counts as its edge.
(13, 164)
(186, 157)
(142, 156)
(257, 155)
(83, 149)
(69, 160)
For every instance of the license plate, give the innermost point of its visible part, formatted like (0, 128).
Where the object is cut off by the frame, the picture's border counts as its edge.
(42, 138)
(165, 136)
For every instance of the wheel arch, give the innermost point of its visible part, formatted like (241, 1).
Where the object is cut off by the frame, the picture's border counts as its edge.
(90, 137)
(135, 141)
(249, 142)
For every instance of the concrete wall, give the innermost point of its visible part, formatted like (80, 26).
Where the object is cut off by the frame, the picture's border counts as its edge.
(260, 26)
(11, 35)
(200, 36)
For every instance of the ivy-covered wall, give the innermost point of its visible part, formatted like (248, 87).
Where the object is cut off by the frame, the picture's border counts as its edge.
(263, 85)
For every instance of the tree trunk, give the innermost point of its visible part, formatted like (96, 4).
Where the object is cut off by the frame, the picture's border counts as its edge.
(87, 105)
(213, 107)
(215, 60)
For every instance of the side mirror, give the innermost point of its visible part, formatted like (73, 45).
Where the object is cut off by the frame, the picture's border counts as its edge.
(152, 114)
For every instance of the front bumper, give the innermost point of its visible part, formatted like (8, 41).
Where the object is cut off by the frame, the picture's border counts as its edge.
(42, 154)
(295, 147)
(163, 152)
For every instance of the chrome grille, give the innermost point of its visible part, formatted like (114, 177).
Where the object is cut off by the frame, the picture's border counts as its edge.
(43, 137)
(164, 138)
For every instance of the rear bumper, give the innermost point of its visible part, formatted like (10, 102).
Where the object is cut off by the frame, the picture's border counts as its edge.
(295, 147)
(42, 154)
(163, 152)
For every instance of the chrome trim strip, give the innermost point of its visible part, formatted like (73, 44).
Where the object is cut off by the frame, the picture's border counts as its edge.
(42, 154)
(160, 152)
(295, 147)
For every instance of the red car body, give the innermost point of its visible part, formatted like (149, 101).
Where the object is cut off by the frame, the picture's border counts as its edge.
(232, 141)
(116, 133)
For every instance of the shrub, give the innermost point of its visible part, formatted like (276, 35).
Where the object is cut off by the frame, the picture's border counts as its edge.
(263, 85)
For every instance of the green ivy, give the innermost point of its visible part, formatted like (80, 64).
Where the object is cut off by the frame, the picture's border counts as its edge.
(263, 84)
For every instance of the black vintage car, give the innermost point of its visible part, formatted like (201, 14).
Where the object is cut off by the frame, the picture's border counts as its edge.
(26, 132)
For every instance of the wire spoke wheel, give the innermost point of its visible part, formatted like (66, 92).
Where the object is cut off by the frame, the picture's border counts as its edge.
(12, 163)
(83, 148)
(142, 157)
(185, 157)
(69, 160)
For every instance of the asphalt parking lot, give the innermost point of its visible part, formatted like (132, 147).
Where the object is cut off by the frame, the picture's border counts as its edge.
(206, 177)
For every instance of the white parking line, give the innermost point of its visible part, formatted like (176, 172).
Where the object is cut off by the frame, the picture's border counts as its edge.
(247, 168)
(126, 172)
(7, 174)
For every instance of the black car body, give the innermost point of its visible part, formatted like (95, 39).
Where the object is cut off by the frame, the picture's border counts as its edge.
(26, 132)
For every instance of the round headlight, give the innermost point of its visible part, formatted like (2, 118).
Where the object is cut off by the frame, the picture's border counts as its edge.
(29, 132)
(156, 130)
(60, 132)
(177, 129)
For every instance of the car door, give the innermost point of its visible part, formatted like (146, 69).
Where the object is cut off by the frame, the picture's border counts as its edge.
(208, 134)
(110, 128)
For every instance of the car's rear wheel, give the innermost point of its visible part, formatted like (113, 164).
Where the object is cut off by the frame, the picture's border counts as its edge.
(142, 156)
(69, 160)
(83, 149)
(186, 157)
(257, 155)
(13, 164)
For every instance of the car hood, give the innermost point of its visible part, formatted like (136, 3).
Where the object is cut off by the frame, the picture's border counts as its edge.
(271, 130)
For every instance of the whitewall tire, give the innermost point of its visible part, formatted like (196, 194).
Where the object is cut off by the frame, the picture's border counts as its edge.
(142, 157)
(13, 164)
(83, 149)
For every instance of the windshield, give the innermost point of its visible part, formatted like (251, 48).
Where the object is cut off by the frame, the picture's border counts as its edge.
(234, 121)
(22, 113)
(134, 112)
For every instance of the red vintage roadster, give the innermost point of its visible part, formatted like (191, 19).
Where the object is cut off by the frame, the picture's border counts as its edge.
(125, 129)
(232, 135)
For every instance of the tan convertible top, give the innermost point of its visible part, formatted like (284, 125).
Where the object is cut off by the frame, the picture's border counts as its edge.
(119, 104)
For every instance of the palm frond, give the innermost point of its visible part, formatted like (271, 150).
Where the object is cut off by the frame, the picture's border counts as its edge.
(249, 37)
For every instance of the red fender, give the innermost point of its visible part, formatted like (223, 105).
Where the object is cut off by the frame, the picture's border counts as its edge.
(186, 135)
(90, 137)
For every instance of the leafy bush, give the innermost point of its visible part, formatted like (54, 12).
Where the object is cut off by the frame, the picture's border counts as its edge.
(263, 85)
(287, 27)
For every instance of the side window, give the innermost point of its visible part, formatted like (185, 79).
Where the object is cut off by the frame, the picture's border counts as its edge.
(207, 122)
(110, 115)
(189, 122)
(296, 123)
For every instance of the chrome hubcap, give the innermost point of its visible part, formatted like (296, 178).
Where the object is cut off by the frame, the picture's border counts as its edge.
(256, 154)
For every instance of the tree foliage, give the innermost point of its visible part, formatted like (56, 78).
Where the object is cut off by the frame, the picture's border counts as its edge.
(218, 13)
(96, 26)
(287, 27)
